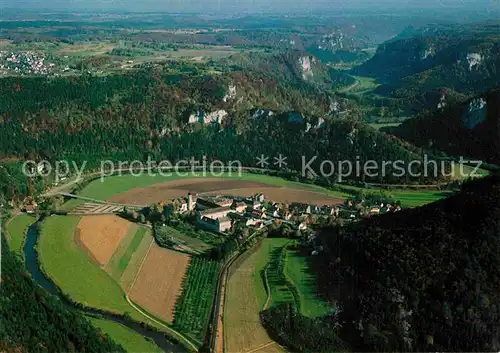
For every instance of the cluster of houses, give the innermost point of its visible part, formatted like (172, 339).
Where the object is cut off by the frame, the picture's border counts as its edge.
(24, 63)
(221, 214)
(362, 209)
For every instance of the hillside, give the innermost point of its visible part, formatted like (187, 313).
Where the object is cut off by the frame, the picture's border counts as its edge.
(423, 279)
(296, 66)
(462, 59)
(471, 129)
(173, 111)
(33, 321)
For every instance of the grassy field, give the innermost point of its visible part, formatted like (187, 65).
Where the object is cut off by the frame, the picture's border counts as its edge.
(245, 298)
(118, 184)
(246, 294)
(378, 126)
(280, 291)
(113, 265)
(131, 249)
(419, 198)
(72, 270)
(467, 171)
(128, 339)
(80, 278)
(127, 277)
(262, 258)
(297, 271)
(16, 230)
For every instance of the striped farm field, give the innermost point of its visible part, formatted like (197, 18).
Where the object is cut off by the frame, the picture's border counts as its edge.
(245, 298)
(124, 251)
(159, 281)
(69, 266)
(101, 235)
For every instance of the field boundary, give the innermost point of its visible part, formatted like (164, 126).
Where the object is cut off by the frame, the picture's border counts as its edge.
(266, 285)
(78, 240)
(150, 316)
(140, 267)
(158, 322)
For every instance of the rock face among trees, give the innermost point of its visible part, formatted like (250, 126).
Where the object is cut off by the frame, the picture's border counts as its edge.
(471, 129)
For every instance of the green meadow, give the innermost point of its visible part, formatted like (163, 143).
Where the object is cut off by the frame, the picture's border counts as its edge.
(16, 231)
(127, 338)
(110, 186)
(73, 271)
(297, 271)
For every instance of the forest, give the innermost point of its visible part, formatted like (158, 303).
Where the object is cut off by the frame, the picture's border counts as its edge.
(41, 323)
(457, 61)
(471, 129)
(424, 279)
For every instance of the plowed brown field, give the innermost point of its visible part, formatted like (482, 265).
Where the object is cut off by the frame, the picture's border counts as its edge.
(217, 186)
(101, 235)
(159, 281)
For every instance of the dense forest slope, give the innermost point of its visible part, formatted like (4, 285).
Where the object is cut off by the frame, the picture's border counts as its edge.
(454, 59)
(424, 279)
(33, 321)
(471, 129)
(176, 111)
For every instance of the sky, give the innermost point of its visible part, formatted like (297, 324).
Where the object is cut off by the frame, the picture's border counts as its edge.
(245, 5)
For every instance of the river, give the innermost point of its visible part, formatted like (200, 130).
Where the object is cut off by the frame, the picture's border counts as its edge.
(31, 258)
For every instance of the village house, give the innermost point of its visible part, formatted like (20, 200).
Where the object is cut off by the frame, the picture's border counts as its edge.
(286, 215)
(183, 208)
(252, 222)
(239, 207)
(315, 209)
(274, 212)
(258, 214)
(213, 213)
(259, 197)
(205, 203)
(328, 211)
(254, 204)
(302, 225)
(30, 206)
(29, 209)
(219, 225)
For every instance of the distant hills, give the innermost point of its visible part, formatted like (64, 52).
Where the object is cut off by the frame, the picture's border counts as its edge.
(294, 66)
(459, 59)
(423, 279)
